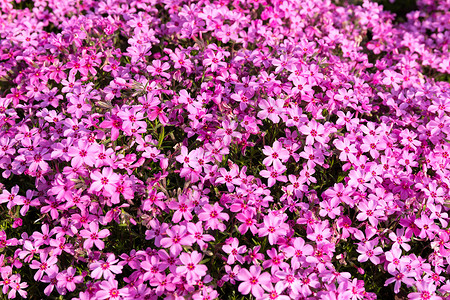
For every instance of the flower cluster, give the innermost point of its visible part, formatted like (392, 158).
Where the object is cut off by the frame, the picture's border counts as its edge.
(170, 149)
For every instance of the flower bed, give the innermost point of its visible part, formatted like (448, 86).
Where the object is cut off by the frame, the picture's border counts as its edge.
(227, 149)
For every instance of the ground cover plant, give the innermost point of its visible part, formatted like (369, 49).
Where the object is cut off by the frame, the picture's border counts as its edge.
(168, 149)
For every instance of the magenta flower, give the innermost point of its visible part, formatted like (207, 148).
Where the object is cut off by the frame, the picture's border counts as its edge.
(347, 149)
(84, 153)
(253, 281)
(277, 152)
(274, 174)
(191, 267)
(93, 236)
(234, 251)
(109, 290)
(107, 181)
(399, 239)
(115, 124)
(46, 265)
(176, 237)
(368, 252)
(248, 222)
(369, 210)
(158, 69)
(426, 290)
(314, 132)
(214, 60)
(274, 227)
(106, 268)
(196, 231)
(68, 280)
(270, 108)
(213, 215)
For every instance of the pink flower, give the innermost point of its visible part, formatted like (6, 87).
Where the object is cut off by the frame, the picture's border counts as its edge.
(298, 251)
(271, 109)
(369, 210)
(228, 132)
(227, 32)
(191, 267)
(275, 293)
(426, 290)
(395, 260)
(254, 256)
(276, 261)
(359, 179)
(368, 252)
(12, 198)
(84, 153)
(133, 121)
(45, 265)
(277, 152)
(42, 238)
(274, 227)
(329, 208)
(17, 287)
(231, 273)
(106, 268)
(234, 251)
(109, 290)
(399, 239)
(248, 221)
(347, 120)
(68, 280)
(253, 280)
(93, 236)
(427, 227)
(183, 208)
(230, 178)
(107, 181)
(196, 231)
(400, 276)
(213, 216)
(391, 78)
(319, 232)
(347, 149)
(373, 144)
(314, 132)
(274, 174)
(314, 155)
(214, 61)
(176, 237)
(115, 124)
(158, 68)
